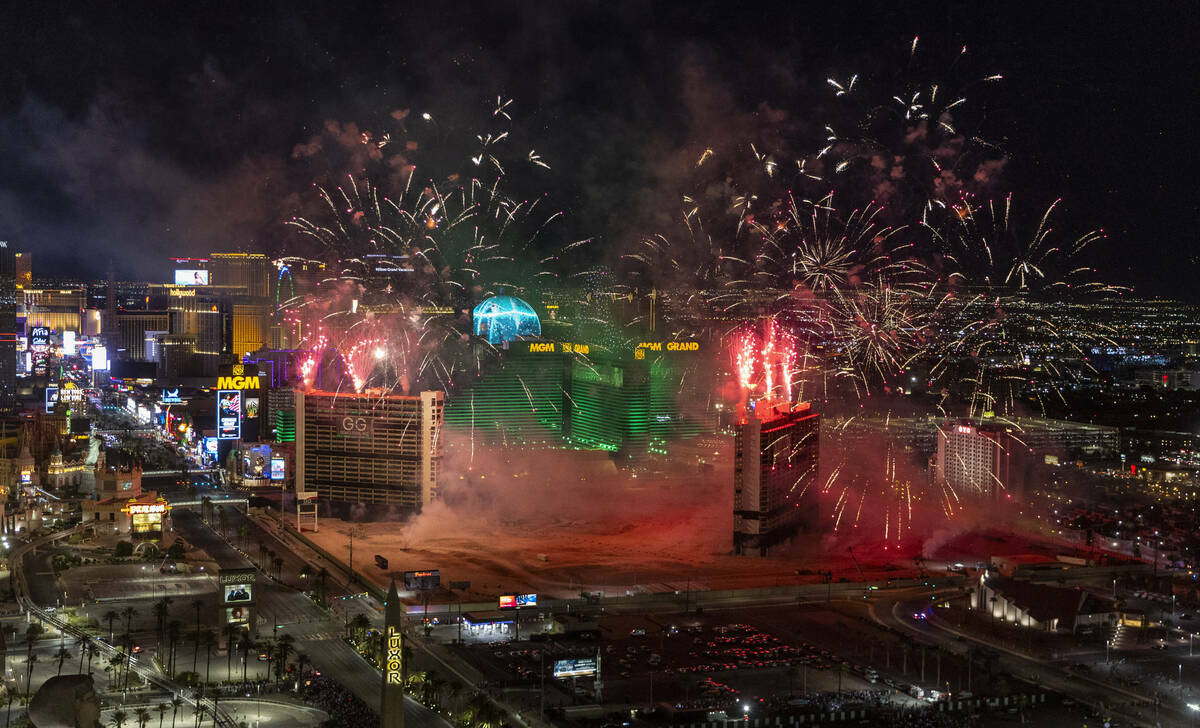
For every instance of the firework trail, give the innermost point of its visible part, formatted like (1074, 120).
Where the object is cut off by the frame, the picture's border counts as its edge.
(410, 253)
(997, 294)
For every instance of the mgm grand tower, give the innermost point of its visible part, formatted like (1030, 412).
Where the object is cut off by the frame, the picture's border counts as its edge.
(560, 379)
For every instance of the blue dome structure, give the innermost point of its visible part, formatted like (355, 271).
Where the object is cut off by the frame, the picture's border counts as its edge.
(504, 318)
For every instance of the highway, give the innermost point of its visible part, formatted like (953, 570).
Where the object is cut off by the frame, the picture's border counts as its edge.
(895, 611)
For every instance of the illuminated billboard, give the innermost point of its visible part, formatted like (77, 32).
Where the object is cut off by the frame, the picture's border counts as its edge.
(210, 446)
(39, 338)
(251, 407)
(191, 277)
(418, 580)
(516, 601)
(229, 414)
(278, 468)
(69, 348)
(51, 399)
(238, 592)
(99, 358)
(575, 667)
(239, 616)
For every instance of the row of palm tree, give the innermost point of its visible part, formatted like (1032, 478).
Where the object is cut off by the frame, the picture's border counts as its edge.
(120, 717)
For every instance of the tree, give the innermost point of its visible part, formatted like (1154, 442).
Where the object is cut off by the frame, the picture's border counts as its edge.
(176, 704)
(61, 656)
(207, 640)
(197, 604)
(282, 649)
(177, 550)
(246, 643)
(128, 613)
(231, 637)
(173, 629)
(124, 549)
(143, 716)
(82, 643)
(118, 718)
(162, 708)
(115, 664)
(322, 578)
(34, 631)
(110, 616)
(359, 624)
(161, 609)
(29, 663)
(301, 663)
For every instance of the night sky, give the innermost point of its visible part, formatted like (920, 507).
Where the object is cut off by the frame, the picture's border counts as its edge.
(135, 132)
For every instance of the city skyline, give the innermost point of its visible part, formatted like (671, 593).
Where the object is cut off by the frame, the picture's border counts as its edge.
(215, 136)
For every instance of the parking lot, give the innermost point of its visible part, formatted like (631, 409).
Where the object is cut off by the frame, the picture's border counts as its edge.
(702, 662)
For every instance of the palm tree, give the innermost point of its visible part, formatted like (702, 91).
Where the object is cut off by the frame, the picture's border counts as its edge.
(61, 656)
(207, 639)
(246, 643)
(200, 711)
(301, 662)
(173, 628)
(118, 718)
(160, 617)
(82, 642)
(197, 604)
(128, 613)
(322, 577)
(283, 649)
(30, 661)
(114, 666)
(143, 716)
(231, 635)
(162, 708)
(110, 616)
(358, 624)
(176, 704)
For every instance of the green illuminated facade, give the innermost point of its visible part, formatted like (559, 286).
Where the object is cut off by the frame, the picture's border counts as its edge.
(554, 398)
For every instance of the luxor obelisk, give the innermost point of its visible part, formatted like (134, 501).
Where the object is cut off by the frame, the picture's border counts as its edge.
(391, 699)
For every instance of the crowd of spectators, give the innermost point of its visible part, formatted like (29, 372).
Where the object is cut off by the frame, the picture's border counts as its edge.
(344, 708)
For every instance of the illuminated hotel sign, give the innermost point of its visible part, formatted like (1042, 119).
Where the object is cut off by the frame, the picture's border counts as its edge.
(146, 508)
(239, 380)
(395, 656)
(238, 383)
(670, 345)
(565, 347)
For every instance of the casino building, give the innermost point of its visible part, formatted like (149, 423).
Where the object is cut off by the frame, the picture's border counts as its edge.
(559, 384)
(370, 448)
(776, 457)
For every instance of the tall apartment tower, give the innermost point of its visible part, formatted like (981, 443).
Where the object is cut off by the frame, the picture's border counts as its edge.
(369, 448)
(776, 459)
